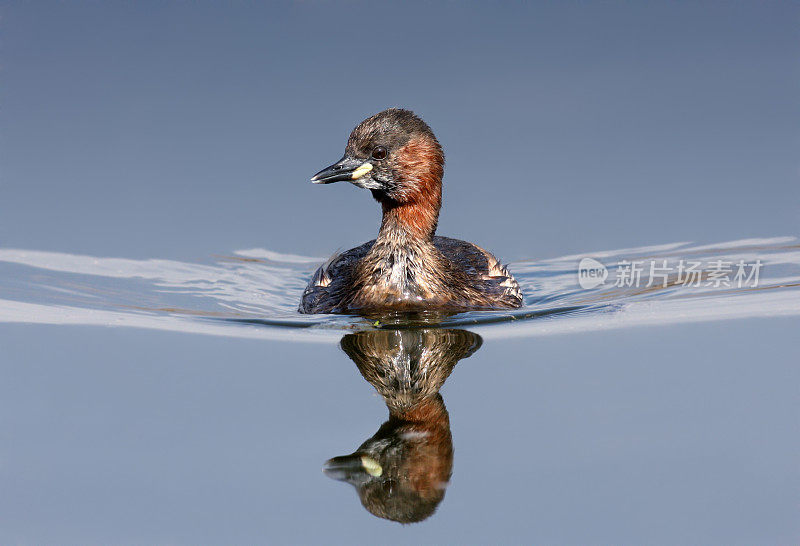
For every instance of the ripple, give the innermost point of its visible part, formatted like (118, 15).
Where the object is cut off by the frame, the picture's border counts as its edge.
(254, 293)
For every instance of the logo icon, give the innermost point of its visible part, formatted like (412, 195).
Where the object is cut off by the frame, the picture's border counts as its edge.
(591, 273)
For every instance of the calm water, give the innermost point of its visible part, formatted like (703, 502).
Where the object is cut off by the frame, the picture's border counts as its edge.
(169, 401)
(158, 387)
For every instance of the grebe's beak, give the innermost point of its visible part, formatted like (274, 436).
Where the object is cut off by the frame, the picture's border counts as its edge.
(353, 468)
(346, 169)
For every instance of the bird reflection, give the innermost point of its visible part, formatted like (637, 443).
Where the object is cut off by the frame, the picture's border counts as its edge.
(401, 472)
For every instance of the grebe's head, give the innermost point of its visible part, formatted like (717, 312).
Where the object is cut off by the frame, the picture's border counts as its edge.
(396, 156)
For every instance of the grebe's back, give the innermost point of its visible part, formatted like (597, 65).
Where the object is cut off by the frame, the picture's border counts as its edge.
(472, 279)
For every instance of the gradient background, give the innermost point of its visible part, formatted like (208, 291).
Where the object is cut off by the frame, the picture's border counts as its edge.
(183, 130)
(172, 129)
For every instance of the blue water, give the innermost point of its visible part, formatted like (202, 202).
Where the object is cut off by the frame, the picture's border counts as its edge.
(157, 227)
(562, 408)
(255, 292)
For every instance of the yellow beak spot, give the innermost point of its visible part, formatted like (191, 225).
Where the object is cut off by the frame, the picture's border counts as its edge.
(362, 170)
(371, 465)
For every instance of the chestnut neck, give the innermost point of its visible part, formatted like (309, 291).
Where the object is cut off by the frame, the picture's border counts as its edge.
(429, 411)
(413, 220)
(411, 209)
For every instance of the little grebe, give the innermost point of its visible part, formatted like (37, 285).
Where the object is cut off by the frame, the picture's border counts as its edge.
(402, 471)
(396, 156)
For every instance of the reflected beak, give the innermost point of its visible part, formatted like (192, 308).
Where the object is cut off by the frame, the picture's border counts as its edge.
(346, 169)
(353, 468)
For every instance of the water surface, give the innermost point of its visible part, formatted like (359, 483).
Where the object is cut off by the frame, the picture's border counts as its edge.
(255, 293)
(152, 401)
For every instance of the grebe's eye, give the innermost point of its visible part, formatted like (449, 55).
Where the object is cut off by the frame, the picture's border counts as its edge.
(379, 152)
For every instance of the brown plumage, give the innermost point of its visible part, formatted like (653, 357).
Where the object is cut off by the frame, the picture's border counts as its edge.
(402, 471)
(396, 156)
